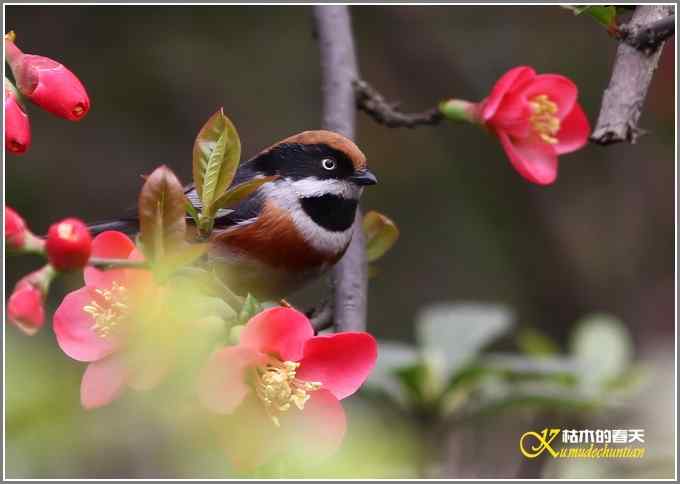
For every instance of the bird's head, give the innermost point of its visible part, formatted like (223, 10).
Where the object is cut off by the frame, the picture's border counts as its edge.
(318, 163)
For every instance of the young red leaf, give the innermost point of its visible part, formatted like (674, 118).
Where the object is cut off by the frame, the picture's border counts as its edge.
(161, 213)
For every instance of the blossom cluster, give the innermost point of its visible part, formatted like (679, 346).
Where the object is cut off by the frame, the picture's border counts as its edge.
(279, 381)
(67, 248)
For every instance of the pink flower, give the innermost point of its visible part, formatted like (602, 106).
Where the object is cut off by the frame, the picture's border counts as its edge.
(48, 83)
(96, 324)
(282, 385)
(536, 118)
(17, 125)
(25, 307)
(68, 245)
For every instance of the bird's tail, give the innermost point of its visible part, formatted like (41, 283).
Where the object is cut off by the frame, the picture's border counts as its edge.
(127, 226)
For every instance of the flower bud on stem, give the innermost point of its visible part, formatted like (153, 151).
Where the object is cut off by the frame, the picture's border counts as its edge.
(459, 110)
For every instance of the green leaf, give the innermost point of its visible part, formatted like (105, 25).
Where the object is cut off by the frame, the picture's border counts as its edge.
(250, 308)
(495, 395)
(413, 379)
(191, 210)
(216, 155)
(533, 342)
(381, 234)
(392, 357)
(177, 258)
(603, 346)
(161, 213)
(603, 14)
(514, 367)
(452, 335)
(237, 193)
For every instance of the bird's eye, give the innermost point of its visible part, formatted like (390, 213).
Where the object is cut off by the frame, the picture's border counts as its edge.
(328, 163)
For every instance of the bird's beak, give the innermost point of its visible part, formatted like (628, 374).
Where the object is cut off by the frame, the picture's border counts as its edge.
(363, 177)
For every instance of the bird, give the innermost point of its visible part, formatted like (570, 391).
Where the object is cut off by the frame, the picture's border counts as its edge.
(291, 230)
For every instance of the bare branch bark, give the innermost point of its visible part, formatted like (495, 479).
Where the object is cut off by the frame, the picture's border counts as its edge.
(321, 316)
(370, 101)
(633, 69)
(106, 264)
(647, 38)
(339, 70)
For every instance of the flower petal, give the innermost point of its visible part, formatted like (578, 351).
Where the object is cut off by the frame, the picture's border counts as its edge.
(279, 331)
(222, 381)
(314, 432)
(317, 431)
(341, 362)
(110, 245)
(103, 381)
(561, 90)
(258, 438)
(147, 371)
(534, 159)
(574, 131)
(73, 328)
(508, 81)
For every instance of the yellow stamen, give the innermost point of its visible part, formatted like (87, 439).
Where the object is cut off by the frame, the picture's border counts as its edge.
(543, 118)
(110, 311)
(278, 387)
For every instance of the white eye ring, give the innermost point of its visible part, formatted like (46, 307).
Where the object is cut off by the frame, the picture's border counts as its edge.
(328, 163)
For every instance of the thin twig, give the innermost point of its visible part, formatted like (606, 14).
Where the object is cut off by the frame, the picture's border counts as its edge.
(321, 316)
(631, 76)
(647, 38)
(105, 264)
(338, 71)
(370, 101)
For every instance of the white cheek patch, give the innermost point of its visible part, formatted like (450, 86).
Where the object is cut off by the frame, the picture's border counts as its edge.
(313, 187)
(282, 193)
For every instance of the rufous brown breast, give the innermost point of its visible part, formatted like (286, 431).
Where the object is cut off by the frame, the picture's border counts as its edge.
(274, 240)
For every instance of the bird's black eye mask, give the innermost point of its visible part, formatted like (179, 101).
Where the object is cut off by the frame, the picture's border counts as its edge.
(298, 161)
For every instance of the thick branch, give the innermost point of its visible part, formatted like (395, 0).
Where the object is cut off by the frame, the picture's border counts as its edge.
(370, 101)
(648, 37)
(338, 71)
(101, 263)
(633, 69)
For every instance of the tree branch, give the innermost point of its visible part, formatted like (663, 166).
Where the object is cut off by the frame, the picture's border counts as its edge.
(648, 37)
(106, 264)
(338, 71)
(370, 101)
(321, 316)
(633, 69)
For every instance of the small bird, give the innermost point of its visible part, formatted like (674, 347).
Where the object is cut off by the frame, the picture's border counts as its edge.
(293, 229)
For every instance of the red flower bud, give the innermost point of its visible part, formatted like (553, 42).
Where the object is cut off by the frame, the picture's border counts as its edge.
(68, 245)
(15, 229)
(17, 126)
(48, 83)
(17, 235)
(25, 307)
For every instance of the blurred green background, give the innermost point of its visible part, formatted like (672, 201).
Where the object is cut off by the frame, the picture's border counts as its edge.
(601, 239)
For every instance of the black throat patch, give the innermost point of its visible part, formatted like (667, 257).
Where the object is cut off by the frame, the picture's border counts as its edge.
(331, 212)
